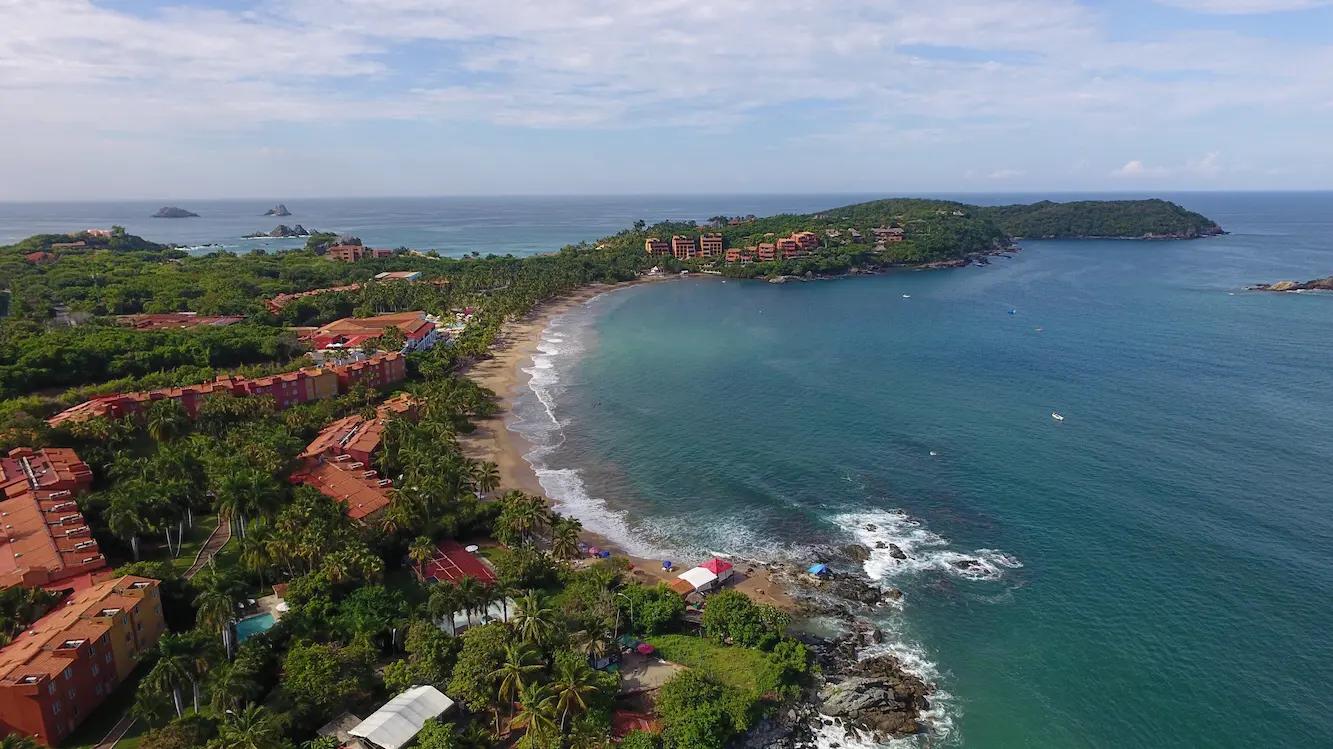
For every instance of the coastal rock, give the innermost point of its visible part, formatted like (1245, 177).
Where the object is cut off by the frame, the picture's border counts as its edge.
(896, 552)
(856, 552)
(880, 696)
(282, 230)
(1318, 284)
(171, 211)
(278, 210)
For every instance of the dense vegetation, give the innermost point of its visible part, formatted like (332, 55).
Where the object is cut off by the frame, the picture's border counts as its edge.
(1100, 218)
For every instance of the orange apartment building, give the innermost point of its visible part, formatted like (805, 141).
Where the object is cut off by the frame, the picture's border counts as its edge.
(287, 389)
(787, 247)
(710, 245)
(656, 247)
(766, 251)
(53, 675)
(44, 539)
(683, 247)
(338, 463)
(351, 253)
(806, 240)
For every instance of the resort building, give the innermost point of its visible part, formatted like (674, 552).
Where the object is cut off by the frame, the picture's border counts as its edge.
(286, 389)
(45, 541)
(656, 247)
(351, 253)
(174, 320)
(710, 245)
(339, 462)
(787, 246)
(683, 247)
(886, 234)
(419, 331)
(732, 256)
(55, 674)
(276, 304)
(766, 251)
(806, 240)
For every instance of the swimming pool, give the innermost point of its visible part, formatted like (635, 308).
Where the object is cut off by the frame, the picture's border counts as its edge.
(253, 625)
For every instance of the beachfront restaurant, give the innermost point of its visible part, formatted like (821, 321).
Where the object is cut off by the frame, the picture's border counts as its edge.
(701, 579)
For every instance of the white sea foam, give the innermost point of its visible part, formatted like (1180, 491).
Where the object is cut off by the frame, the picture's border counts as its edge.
(924, 549)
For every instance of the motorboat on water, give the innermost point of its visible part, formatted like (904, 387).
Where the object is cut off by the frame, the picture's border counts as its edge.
(1057, 416)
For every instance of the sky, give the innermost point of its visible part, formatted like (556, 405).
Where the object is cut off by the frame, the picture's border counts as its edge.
(136, 99)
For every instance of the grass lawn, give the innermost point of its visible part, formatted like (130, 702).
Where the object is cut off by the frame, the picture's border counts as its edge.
(95, 728)
(751, 671)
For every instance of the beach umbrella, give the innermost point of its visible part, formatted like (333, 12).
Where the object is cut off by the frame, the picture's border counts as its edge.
(644, 649)
(666, 564)
(471, 549)
(594, 551)
(605, 555)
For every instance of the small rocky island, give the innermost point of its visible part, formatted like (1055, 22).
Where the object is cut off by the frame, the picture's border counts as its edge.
(1318, 284)
(278, 210)
(280, 232)
(171, 211)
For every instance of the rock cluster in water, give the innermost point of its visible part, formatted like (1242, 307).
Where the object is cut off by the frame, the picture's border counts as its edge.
(171, 211)
(1319, 284)
(282, 230)
(278, 210)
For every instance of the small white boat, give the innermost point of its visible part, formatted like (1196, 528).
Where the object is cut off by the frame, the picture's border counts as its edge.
(907, 296)
(1057, 416)
(933, 453)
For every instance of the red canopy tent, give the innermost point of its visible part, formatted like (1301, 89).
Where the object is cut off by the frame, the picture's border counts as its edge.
(720, 567)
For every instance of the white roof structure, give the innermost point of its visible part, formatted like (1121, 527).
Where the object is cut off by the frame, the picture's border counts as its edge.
(395, 724)
(699, 577)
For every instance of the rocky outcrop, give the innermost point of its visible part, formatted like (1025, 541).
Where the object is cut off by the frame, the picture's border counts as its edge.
(171, 211)
(1319, 284)
(880, 696)
(278, 210)
(282, 230)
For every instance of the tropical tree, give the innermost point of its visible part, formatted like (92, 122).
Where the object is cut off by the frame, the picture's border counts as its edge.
(535, 620)
(256, 556)
(176, 669)
(574, 683)
(16, 741)
(565, 538)
(485, 477)
(166, 420)
(421, 552)
(216, 609)
(520, 661)
(444, 602)
(535, 717)
(251, 728)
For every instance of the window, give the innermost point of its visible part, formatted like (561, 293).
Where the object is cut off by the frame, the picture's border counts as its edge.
(95, 669)
(51, 687)
(69, 673)
(55, 707)
(108, 657)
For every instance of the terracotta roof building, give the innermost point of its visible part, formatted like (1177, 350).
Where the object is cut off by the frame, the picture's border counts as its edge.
(44, 539)
(656, 247)
(353, 482)
(419, 332)
(55, 674)
(339, 462)
(710, 245)
(286, 389)
(684, 247)
(174, 320)
(276, 304)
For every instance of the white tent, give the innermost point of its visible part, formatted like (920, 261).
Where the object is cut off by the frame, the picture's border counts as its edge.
(395, 724)
(703, 580)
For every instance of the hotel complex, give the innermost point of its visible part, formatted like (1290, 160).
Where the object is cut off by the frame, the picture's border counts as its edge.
(45, 541)
(287, 389)
(55, 673)
(712, 245)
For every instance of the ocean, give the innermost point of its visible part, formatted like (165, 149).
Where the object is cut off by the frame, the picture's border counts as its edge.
(1154, 570)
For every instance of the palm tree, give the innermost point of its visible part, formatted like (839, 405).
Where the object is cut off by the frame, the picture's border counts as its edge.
(535, 620)
(573, 684)
(520, 660)
(444, 603)
(231, 688)
(175, 668)
(215, 612)
(592, 644)
(565, 538)
(251, 728)
(421, 552)
(469, 591)
(485, 477)
(166, 421)
(125, 520)
(256, 556)
(534, 717)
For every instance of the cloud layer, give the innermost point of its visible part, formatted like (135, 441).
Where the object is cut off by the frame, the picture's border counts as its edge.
(1002, 90)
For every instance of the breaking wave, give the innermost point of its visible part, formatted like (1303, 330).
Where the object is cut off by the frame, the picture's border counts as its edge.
(921, 549)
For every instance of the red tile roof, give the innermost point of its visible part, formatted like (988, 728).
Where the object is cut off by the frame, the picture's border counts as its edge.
(453, 563)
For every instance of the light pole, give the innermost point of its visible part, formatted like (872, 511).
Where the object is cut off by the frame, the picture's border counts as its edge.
(616, 633)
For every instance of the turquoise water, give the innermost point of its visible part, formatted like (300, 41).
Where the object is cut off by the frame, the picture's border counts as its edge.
(253, 625)
(1155, 570)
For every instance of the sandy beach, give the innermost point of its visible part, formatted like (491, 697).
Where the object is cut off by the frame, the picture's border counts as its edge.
(493, 441)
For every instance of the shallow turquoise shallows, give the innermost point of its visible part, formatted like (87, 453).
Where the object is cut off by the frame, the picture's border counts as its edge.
(1155, 570)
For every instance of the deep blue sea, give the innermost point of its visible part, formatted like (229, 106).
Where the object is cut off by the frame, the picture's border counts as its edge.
(1154, 571)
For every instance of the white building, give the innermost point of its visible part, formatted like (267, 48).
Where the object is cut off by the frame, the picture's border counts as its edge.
(397, 723)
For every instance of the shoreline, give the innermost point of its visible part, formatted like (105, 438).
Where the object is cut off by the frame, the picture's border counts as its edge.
(493, 440)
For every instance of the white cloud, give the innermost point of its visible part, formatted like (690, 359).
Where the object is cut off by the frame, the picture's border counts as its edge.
(1136, 169)
(1245, 7)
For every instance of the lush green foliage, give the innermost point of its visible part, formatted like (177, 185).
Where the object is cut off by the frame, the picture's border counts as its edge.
(731, 617)
(1099, 218)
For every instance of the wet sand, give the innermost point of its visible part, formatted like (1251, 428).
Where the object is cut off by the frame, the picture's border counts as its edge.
(493, 441)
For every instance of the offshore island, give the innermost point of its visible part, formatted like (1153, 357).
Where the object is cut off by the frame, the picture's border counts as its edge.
(291, 470)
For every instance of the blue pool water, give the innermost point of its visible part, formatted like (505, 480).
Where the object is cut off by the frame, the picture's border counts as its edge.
(253, 625)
